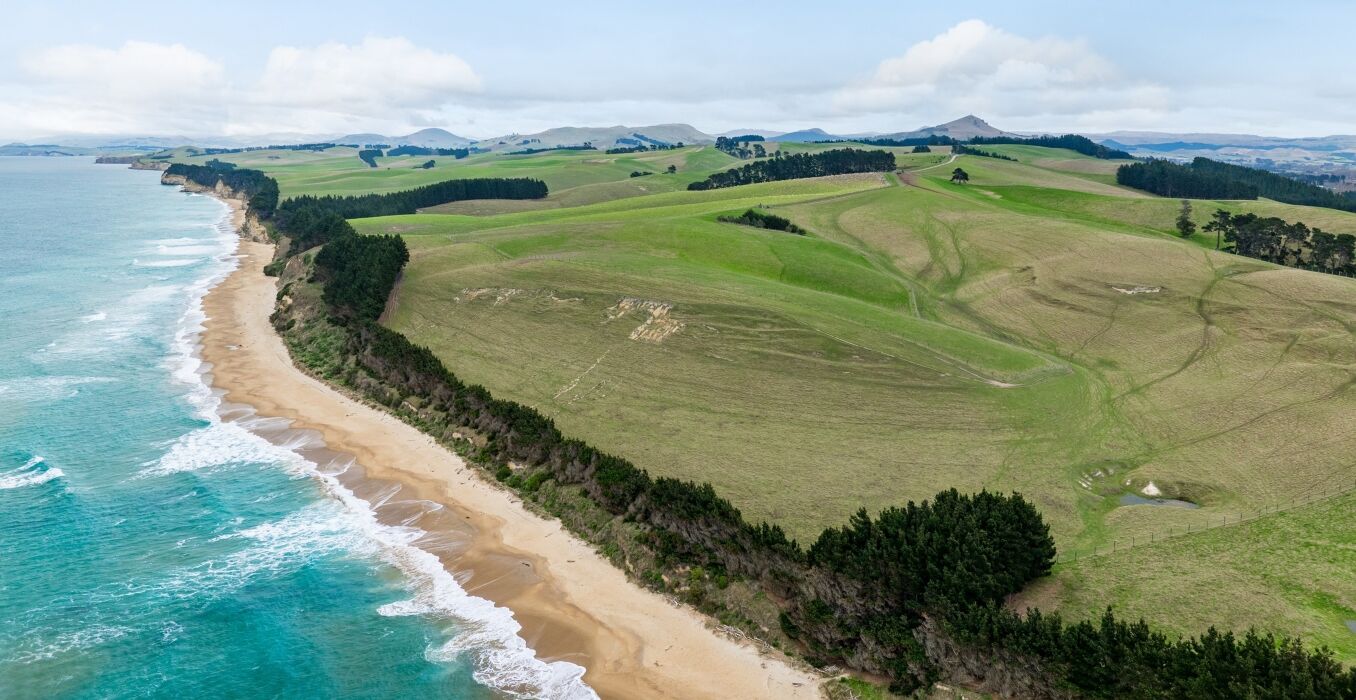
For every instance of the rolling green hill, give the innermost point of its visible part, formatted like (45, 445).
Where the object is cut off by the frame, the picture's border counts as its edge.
(1039, 329)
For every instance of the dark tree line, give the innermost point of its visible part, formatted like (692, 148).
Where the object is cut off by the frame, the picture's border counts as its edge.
(457, 153)
(284, 147)
(1275, 240)
(1273, 186)
(1168, 179)
(1072, 142)
(370, 156)
(410, 201)
(952, 553)
(758, 219)
(530, 151)
(638, 147)
(260, 190)
(1211, 179)
(359, 272)
(742, 147)
(933, 140)
(964, 150)
(839, 161)
(1117, 659)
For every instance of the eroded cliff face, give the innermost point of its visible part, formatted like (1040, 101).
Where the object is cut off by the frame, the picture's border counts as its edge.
(249, 225)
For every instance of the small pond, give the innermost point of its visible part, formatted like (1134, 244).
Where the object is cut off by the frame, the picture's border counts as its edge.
(1134, 499)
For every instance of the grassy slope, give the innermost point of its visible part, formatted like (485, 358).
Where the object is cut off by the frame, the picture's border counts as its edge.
(814, 375)
(338, 170)
(1291, 573)
(794, 351)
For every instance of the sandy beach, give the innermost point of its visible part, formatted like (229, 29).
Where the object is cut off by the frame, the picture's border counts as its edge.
(571, 603)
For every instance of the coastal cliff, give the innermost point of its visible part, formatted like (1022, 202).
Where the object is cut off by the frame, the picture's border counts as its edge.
(249, 225)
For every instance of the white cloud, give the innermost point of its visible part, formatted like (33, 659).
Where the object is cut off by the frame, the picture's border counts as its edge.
(91, 89)
(380, 72)
(975, 67)
(143, 87)
(136, 70)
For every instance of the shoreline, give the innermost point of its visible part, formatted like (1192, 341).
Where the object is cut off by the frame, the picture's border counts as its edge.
(572, 604)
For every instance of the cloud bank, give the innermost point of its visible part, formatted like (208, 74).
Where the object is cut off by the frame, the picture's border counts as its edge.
(144, 87)
(391, 85)
(976, 68)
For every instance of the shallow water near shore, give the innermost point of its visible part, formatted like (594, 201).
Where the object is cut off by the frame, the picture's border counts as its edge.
(156, 542)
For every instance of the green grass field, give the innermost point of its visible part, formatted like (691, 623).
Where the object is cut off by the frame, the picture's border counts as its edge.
(1040, 329)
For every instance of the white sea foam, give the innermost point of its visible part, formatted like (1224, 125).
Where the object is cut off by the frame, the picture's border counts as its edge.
(96, 316)
(55, 388)
(76, 640)
(29, 474)
(218, 445)
(174, 262)
(199, 249)
(485, 633)
(129, 319)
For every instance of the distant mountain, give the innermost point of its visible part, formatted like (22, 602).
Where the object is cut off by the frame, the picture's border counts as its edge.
(807, 135)
(765, 133)
(431, 138)
(602, 137)
(365, 139)
(965, 128)
(428, 138)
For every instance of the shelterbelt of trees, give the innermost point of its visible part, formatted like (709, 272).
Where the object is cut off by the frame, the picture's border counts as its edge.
(1210, 179)
(1072, 142)
(457, 153)
(964, 150)
(909, 594)
(758, 219)
(310, 221)
(1294, 245)
(839, 161)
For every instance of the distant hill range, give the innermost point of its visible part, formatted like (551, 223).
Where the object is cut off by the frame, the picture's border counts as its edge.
(1331, 158)
(1166, 141)
(428, 138)
(963, 129)
(810, 135)
(967, 127)
(602, 137)
(51, 149)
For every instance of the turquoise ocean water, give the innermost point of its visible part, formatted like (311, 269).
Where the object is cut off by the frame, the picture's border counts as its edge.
(150, 549)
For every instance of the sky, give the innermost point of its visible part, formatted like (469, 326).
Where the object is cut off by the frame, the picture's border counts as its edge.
(484, 69)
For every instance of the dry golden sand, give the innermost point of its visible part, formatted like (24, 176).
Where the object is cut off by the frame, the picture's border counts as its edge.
(571, 602)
